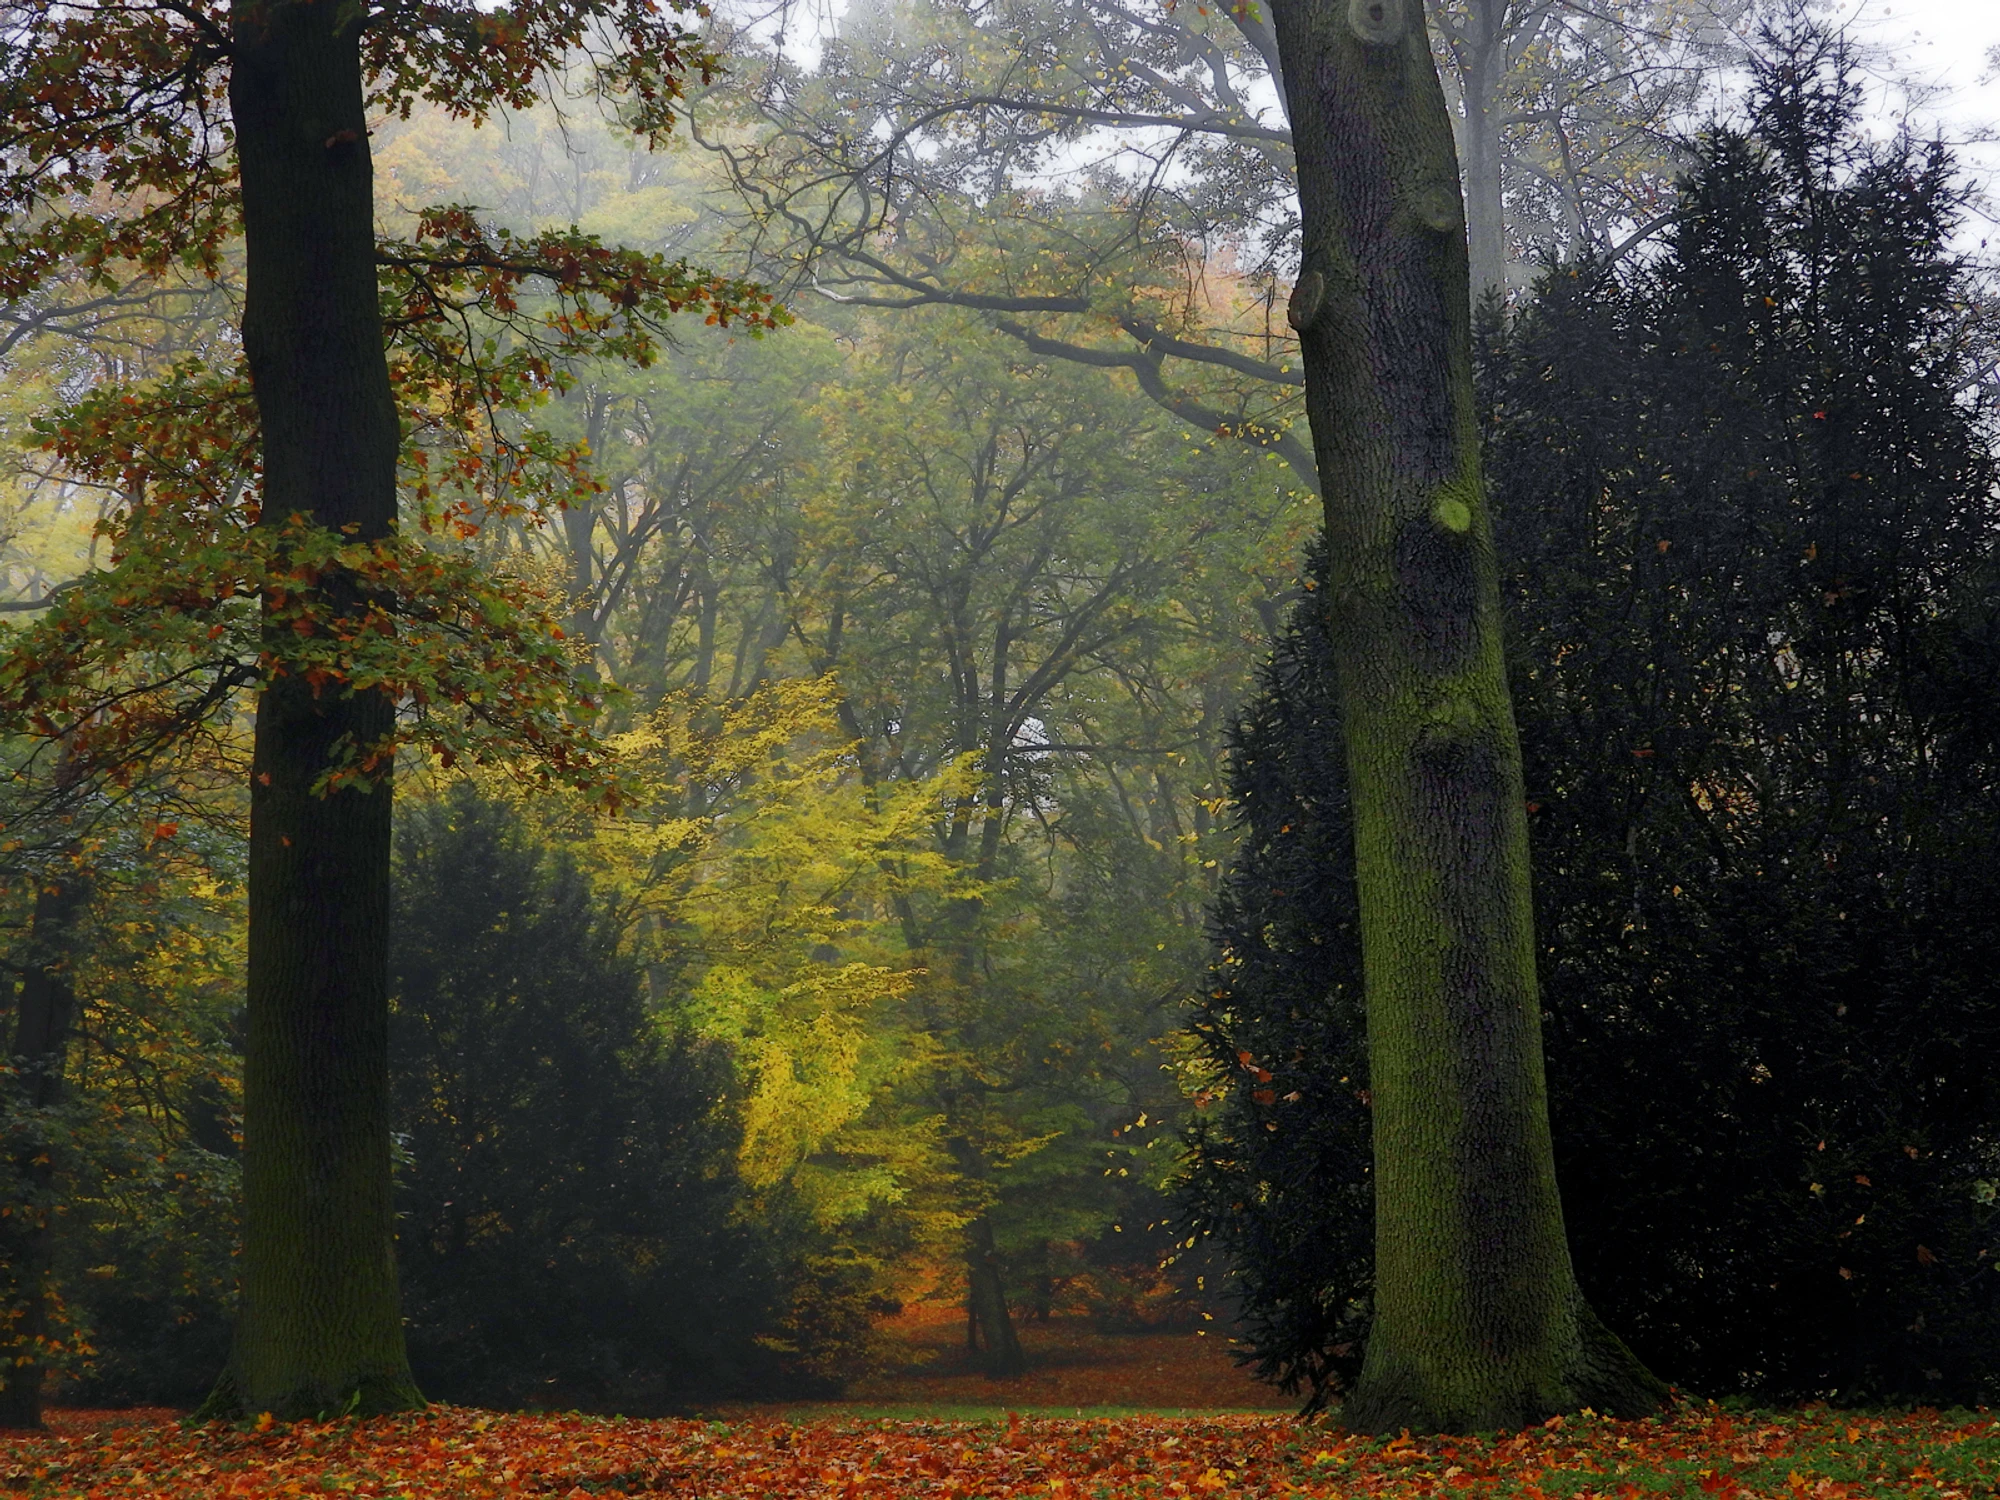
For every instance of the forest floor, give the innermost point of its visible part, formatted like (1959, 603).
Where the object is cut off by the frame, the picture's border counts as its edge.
(1696, 1452)
(1149, 1416)
(1074, 1369)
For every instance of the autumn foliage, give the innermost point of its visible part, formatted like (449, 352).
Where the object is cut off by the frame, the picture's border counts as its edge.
(1700, 1452)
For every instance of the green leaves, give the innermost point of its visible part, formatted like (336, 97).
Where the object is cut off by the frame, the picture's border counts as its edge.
(484, 323)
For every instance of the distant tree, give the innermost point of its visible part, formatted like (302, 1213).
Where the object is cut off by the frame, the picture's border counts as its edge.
(568, 1192)
(1569, 119)
(1746, 494)
(930, 156)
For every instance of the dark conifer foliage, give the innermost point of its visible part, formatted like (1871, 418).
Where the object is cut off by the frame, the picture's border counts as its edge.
(1746, 499)
(567, 1186)
(1283, 1181)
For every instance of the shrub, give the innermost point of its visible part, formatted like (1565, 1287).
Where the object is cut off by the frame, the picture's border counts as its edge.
(568, 1195)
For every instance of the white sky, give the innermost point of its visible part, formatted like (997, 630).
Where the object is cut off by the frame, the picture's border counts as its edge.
(1943, 45)
(1942, 40)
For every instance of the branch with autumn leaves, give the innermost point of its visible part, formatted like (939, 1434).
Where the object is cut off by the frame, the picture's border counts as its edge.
(205, 598)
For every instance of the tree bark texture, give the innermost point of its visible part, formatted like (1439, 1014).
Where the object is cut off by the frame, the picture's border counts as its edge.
(989, 1321)
(320, 1326)
(42, 1024)
(1478, 1320)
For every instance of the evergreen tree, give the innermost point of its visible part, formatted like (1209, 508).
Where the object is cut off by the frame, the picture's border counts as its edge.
(568, 1192)
(1748, 506)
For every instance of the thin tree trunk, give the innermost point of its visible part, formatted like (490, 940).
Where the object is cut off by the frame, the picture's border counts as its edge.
(989, 1323)
(986, 1287)
(986, 1297)
(579, 525)
(1485, 211)
(1478, 1320)
(319, 1327)
(27, 1242)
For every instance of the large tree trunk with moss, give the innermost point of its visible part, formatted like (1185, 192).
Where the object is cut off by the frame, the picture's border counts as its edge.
(1478, 1320)
(320, 1326)
(45, 1015)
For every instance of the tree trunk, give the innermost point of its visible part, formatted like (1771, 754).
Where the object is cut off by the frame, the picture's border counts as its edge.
(986, 1302)
(41, 1043)
(989, 1324)
(1484, 54)
(1478, 1321)
(319, 1328)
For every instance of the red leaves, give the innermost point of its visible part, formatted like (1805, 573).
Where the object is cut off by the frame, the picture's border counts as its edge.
(1691, 1453)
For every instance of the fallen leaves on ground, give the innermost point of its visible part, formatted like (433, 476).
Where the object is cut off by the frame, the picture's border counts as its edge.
(1698, 1452)
(1071, 1363)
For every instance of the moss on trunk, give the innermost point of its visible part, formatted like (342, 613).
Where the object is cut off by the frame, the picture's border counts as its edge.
(1478, 1321)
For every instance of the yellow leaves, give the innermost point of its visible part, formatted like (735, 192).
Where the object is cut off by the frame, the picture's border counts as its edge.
(764, 869)
(812, 1064)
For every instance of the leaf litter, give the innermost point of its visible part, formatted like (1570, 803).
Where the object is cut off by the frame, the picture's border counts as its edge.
(1697, 1451)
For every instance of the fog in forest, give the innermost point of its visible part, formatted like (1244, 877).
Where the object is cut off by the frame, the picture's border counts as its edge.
(886, 798)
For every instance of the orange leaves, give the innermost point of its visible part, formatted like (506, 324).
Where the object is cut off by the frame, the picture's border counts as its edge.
(119, 109)
(1689, 1454)
(124, 108)
(193, 614)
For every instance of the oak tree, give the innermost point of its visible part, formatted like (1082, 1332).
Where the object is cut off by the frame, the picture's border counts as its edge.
(1478, 1319)
(257, 547)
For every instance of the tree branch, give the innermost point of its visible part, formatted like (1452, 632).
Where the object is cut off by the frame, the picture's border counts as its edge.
(1146, 367)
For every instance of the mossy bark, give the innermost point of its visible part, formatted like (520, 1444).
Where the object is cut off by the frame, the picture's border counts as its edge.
(320, 1327)
(1478, 1320)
